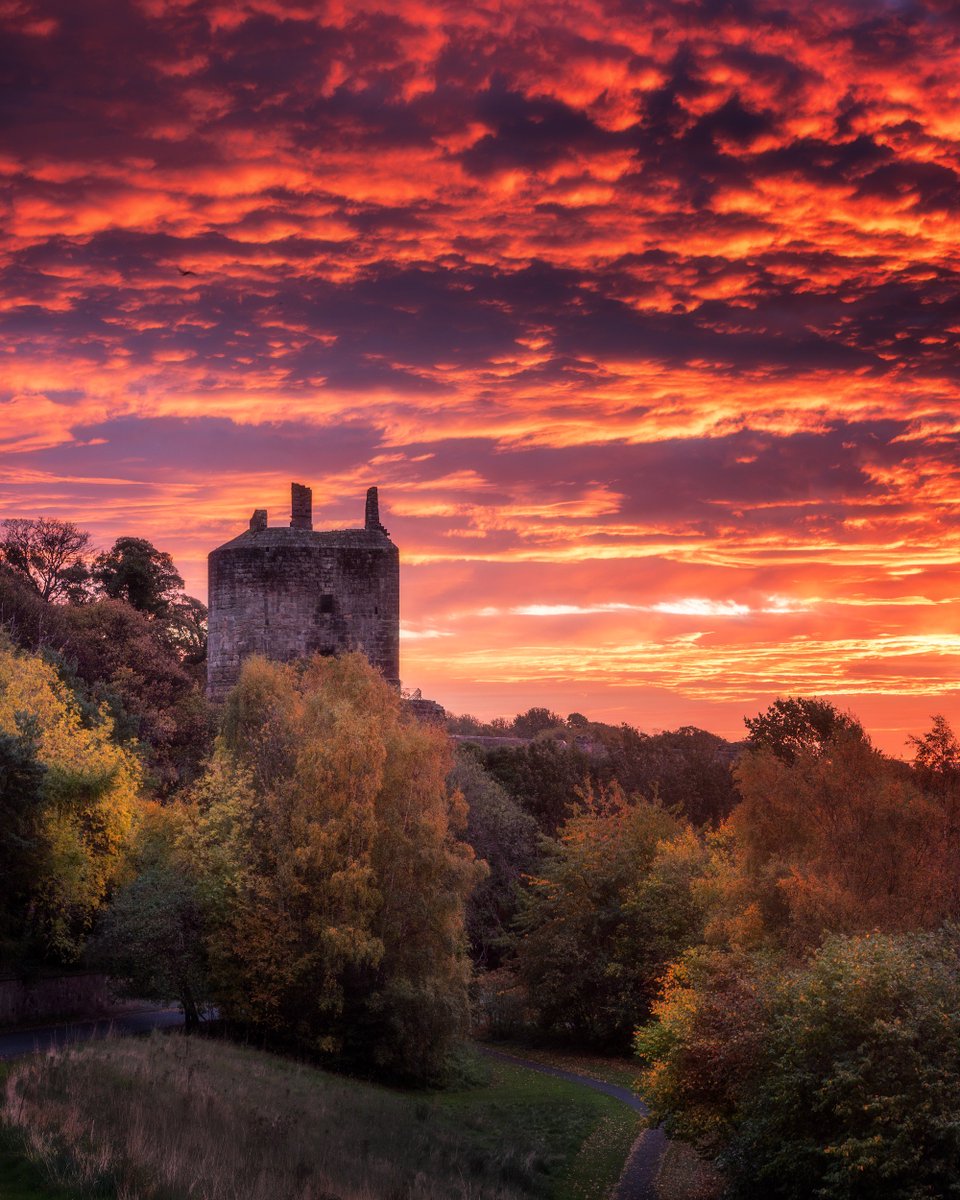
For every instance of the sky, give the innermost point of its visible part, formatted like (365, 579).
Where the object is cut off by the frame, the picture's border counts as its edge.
(643, 316)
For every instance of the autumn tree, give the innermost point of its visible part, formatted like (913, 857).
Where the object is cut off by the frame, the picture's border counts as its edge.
(70, 798)
(48, 554)
(839, 1076)
(329, 835)
(838, 839)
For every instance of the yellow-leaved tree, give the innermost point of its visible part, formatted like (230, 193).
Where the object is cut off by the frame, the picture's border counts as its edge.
(68, 799)
(336, 883)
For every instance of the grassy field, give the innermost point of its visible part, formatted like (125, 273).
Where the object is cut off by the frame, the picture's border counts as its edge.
(682, 1176)
(168, 1117)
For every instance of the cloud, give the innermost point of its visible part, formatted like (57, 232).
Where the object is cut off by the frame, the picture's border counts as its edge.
(629, 307)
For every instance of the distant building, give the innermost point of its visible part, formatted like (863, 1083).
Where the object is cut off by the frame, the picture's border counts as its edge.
(287, 593)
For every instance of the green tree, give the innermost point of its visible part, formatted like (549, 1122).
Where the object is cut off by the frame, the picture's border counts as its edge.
(135, 571)
(800, 724)
(506, 838)
(48, 554)
(859, 1085)
(586, 949)
(153, 935)
(535, 720)
(21, 848)
(544, 778)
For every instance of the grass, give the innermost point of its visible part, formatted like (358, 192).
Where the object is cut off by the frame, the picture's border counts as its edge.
(683, 1175)
(616, 1069)
(167, 1117)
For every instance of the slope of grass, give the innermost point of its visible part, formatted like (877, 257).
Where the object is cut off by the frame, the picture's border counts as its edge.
(168, 1117)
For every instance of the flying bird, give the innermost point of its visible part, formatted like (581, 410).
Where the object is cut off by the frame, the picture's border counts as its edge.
(183, 272)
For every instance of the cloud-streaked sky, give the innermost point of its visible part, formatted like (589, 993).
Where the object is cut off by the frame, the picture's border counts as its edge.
(644, 317)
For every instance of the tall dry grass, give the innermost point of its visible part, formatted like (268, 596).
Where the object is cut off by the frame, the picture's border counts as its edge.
(172, 1118)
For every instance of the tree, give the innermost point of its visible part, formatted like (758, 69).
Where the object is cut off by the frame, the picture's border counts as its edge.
(859, 1084)
(330, 839)
(841, 842)
(586, 949)
(797, 724)
(135, 571)
(152, 935)
(49, 554)
(21, 850)
(186, 624)
(936, 760)
(503, 836)
(534, 721)
(123, 659)
(72, 830)
(544, 778)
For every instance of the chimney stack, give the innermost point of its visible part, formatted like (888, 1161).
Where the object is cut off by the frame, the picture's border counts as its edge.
(301, 507)
(372, 521)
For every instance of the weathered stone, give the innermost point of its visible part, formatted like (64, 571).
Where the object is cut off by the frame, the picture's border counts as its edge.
(290, 593)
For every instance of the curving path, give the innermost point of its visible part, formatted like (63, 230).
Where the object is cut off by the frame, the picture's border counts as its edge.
(15, 1043)
(640, 1172)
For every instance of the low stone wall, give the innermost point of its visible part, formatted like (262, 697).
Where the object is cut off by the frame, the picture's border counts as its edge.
(85, 995)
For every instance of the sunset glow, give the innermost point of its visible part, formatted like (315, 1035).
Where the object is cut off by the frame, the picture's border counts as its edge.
(643, 316)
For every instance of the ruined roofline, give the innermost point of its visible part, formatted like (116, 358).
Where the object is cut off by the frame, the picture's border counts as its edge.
(301, 515)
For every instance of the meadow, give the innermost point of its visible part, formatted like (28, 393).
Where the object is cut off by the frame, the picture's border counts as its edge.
(168, 1117)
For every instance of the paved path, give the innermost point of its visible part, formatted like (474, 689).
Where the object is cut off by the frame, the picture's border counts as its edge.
(18, 1042)
(640, 1171)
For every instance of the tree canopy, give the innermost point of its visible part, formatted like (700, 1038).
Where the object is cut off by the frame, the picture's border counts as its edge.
(48, 554)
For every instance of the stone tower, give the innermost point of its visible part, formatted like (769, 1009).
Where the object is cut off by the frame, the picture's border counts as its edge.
(290, 592)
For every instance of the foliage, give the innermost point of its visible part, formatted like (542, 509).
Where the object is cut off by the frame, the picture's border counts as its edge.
(152, 935)
(800, 725)
(505, 837)
(48, 555)
(71, 807)
(688, 769)
(837, 1079)
(612, 904)
(936, 760)
(124, 661)
(327, 833)
(702, 1049)
(838, 839)
(134, 570)
(111, 654)
(535, 720)
(21, 847)
(544, 778)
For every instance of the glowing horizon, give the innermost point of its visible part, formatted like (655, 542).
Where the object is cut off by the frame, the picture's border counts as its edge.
(643, 317)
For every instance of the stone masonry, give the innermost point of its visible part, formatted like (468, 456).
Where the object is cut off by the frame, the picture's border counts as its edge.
(291, 592)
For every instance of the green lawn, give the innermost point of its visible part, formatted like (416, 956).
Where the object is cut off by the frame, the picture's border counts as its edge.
(147, 1118)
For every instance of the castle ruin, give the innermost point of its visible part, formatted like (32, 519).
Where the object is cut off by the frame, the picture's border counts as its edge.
(287, 593)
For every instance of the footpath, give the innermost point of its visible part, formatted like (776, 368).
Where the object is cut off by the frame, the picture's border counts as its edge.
(640, 1172)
